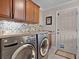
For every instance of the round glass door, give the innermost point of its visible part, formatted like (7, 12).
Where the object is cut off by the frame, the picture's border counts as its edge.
(44, 46)
(24, 52)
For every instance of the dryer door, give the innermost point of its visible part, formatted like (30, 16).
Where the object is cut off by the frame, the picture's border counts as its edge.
(24, 52)
(44, 48)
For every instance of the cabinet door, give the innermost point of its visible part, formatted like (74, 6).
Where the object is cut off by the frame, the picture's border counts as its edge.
(5, 8)
(19, 10)
(32, 12)
(29, 12)
(36, 14)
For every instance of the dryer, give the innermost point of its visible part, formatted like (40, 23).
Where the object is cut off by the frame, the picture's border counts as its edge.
(21, 47)
(43, 45)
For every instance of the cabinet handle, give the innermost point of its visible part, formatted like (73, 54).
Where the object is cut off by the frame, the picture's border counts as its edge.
(10, 45)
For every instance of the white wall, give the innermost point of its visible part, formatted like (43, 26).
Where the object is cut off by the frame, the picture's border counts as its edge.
(52, 12)
(49, 27)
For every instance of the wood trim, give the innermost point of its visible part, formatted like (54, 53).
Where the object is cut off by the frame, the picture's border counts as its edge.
(50, 40)
(4, 16)
(15, 20)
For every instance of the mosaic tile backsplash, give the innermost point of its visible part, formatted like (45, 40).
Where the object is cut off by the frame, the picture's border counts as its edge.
(18, 27)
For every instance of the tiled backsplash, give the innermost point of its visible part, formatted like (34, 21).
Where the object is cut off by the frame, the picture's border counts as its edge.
(18, 27)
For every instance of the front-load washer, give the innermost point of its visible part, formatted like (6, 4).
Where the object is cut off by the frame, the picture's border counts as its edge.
(19, 47)
(43, 45)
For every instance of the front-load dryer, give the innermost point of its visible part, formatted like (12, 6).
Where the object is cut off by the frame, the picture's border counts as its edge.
(43, 45)
(19, 47)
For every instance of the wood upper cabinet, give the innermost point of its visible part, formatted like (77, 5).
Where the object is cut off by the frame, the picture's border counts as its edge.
(5, 8)
(29, 12)
(36, 14)
(32, 12)
(19, 10)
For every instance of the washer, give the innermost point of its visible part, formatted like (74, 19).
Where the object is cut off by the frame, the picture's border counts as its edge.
(19, 47)
(43, 45)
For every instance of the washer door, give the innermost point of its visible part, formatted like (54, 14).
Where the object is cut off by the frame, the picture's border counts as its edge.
(44, 46)
(24, 52)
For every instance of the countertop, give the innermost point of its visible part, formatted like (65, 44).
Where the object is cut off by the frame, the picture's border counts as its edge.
(6, 35)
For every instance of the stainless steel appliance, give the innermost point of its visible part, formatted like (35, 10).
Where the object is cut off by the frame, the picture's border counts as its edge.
(19, 47)
(43, 45)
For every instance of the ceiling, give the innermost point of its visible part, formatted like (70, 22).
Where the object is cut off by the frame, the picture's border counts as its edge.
(46, 4)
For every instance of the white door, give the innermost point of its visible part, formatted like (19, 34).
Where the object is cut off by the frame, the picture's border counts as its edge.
(67, 30)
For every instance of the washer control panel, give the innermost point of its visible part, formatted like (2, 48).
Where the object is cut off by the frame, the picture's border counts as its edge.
(29, 39)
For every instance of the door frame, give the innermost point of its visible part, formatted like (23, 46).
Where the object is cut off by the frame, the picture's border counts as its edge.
(76, 24)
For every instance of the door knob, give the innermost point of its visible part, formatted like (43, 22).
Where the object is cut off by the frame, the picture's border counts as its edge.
(57, 32)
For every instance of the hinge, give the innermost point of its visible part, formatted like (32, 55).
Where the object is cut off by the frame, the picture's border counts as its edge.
(58, 14)
(76, 47)
(76, 30)
(76, 12)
